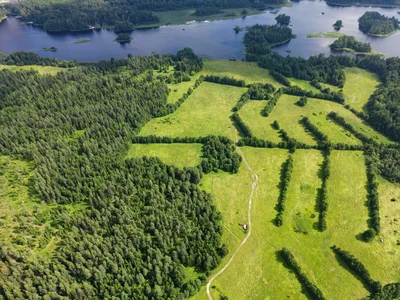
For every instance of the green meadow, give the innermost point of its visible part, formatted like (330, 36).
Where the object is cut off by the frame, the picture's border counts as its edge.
(41, 69)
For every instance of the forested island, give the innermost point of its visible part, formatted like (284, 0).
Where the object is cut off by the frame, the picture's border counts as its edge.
(379, 3)
(77, 15)
(338, 24)
(350, 44)
(375, 24)
(283, 19)
(123, 38)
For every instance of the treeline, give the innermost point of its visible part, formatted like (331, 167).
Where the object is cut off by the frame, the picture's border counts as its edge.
(280, 78)
(326, 95)
(241, 125)
(388, 292)
(373, 23)
(383, 3)
(323, 193)
(140, 225)
(28, 58)
(358, 268)
(260, 38)
(261, 91)
(286, 175)
(76, 15)
(321, 137)
(350, 42)
(291, 262)
(385, 161)
(225, 80)
(272, 103)
(342, 122)
(372, 201)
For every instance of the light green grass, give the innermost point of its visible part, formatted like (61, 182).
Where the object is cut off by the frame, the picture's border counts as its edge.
(327, 35)
(41, 69)
(305, 85)
(75, 135)
(358, 87)
(179, 155)
(178, 89)
(205, 112)
(250, 72)
(255, 273)
(372, 52)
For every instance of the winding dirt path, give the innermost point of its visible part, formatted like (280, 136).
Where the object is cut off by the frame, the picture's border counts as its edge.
(253, 187)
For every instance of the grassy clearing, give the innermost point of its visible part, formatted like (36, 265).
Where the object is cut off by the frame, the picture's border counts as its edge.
(305, 85)
(179, 155)
(358, 87)
(25, 221)
(205, 112)
(41, 69)
(326, 35)
(250, 72)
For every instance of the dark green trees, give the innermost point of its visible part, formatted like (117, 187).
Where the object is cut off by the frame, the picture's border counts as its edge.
(338, 24)
(283, 19)
(302, 101)
(350, 42)
(373, 23)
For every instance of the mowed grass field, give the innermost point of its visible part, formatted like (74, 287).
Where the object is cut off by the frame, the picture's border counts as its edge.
(256, 272)
(358, 87)
(288, 114)
(205, 112)
(41, 69)
(179, 155)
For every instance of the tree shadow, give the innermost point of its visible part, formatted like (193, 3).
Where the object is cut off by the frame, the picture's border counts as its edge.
(344, 266)
(279, 258)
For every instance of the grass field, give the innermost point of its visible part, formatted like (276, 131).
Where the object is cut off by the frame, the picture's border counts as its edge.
(41, 69)
(179, 155)
(305, 85)
(288, 114)
(358, 87)
(256, 273)
(205, 112)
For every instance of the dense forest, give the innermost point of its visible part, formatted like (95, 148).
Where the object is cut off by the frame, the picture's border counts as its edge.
(144, 221)
(76, 15)
(283, 19)
(374, 23)
(350, 42)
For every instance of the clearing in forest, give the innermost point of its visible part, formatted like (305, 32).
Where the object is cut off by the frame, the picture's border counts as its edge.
(358, 87)
(205, 112)
(44, 70)
(179, 155)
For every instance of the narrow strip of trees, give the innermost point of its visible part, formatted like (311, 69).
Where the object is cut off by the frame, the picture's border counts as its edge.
(323, 196)
(358, 268)
(272, 103)
(241, 125)
(286, 175)
(291, 262)
(280, 78)
(325, 95)
(321, 137)
(342, 122)
(373, 203)
(225, 80)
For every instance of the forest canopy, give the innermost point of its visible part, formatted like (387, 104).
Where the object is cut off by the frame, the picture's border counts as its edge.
(350, 42)
(373, 23)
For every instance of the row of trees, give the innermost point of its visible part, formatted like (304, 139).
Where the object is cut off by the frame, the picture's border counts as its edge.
(323, 196)
(286, 175)
(280, 78)
(291, 262)
(272, 103)
(241, 125)
(325, 95)
(357, 267)
(225, 80)
(321, 137)
(342, 122)
(372, 201)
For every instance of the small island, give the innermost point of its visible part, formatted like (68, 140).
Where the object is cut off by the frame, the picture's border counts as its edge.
(375, 24)
(238, 29)
(82, 41)
(338, 24)
(123, 38)
(283, 19)
(327, 35)
(52, 49)
(351, 45)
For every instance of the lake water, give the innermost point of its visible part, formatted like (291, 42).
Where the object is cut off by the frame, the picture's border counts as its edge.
(212, 39)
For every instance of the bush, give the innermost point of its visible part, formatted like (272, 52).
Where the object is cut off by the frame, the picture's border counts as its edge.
(369, 235)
